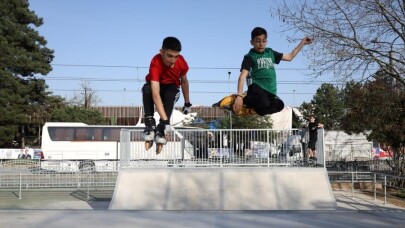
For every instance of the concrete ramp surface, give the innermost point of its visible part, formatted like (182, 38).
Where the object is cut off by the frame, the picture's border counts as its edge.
(281, 188)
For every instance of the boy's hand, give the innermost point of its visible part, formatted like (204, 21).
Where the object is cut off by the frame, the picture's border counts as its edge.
(237, 105)
(307, 40)
(161, 127)
(186, 108)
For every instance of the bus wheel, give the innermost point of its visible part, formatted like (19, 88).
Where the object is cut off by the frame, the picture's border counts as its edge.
(87, 166)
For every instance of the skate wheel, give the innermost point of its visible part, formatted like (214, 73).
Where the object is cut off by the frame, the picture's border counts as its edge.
(159, 148)
(148, 144)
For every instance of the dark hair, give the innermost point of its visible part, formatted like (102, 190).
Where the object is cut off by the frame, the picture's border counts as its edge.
(311, 115)
(258, 31)
(171, 43)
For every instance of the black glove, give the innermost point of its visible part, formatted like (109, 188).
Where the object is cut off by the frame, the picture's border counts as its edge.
(186, 108)
(161, 127)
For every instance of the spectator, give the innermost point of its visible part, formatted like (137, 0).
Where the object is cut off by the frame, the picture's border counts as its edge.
(313, 135)
(304, 139)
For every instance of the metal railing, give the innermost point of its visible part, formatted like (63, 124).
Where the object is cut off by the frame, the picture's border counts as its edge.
(27, 175)
(222, 147)
(348, 151)
(379, 184)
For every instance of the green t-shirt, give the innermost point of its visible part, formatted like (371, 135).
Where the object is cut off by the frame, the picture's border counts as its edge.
(262, 69)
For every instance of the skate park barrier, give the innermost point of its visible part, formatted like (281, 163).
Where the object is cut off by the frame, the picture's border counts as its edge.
(224, 188)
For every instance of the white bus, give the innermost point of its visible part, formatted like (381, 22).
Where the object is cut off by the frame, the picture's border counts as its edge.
(76, 146)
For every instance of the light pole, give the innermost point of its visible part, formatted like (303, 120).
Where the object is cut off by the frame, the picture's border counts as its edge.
(293, 98)
(125, 96)
(229, 89)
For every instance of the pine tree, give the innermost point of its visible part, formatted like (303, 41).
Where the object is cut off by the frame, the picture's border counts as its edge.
(23, 55)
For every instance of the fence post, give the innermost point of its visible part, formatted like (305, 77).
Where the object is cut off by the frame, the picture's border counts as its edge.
(375, 186)
(352, 185)
(221, 144)
(77, 174)
(269, 149)
(385, 189)
(182, 148)
(19, 192)
(125, 147)
(88, 186)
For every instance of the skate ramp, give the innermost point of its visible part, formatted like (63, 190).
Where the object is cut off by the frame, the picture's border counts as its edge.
(223, 189)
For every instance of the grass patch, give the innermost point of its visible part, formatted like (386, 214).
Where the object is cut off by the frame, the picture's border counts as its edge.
(400, 194)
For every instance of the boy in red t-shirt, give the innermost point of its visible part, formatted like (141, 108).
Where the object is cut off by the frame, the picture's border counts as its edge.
(167, 72)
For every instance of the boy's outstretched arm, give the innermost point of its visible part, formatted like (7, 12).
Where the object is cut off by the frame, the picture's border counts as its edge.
(290, 56)
(239, 99)
(185, 88)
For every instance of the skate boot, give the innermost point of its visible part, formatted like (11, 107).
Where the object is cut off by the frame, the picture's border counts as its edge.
(227, 103)
(160, 137)
(149, 132)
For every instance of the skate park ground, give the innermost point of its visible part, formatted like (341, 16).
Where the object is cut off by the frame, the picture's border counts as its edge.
(73, 209)
(80, 208)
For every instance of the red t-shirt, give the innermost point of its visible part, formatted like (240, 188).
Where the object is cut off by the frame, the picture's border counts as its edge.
(158, 71)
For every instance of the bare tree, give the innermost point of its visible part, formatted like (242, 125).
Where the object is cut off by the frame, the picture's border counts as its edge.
(353, 38)
(87, 97)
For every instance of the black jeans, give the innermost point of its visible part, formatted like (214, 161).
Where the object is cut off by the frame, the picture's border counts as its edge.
(262, 101)
(168, 95)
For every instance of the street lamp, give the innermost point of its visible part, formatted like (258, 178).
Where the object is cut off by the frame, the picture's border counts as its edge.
(229, 88)
(293, 98)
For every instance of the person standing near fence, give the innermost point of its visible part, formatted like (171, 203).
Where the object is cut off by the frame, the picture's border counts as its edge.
(313, 127)
(304, 139)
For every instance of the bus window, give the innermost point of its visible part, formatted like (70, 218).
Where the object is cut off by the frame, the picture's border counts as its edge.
(136, 136)
(90, 134)
(60, 133)
(98, 132)
(115, 134)
(52, 133)
(106, 134)
(111, 134)
(81, 134)
(69, 133)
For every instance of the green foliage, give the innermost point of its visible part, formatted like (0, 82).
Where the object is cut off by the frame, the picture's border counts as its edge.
(246, 122)
(400, 194)
(23, 50)
(23, 55)
(77, 114)
(327, 105)
(377, 107)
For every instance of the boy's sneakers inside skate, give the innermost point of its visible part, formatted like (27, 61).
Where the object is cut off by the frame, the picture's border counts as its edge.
(160, 138)
(149, 135)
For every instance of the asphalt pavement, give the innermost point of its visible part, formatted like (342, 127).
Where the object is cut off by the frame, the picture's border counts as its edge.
(90, 209)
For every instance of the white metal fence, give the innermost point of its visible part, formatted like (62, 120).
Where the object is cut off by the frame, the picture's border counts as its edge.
(349, 152)
(222, 147)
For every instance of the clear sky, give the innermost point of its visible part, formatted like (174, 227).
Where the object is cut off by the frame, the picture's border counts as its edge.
(109, 44)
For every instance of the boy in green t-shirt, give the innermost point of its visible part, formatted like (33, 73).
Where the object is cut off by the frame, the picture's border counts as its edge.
(259, 63)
